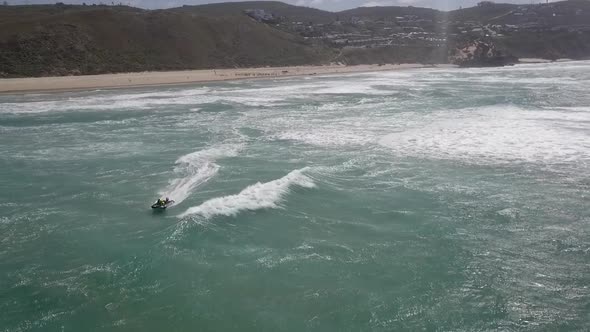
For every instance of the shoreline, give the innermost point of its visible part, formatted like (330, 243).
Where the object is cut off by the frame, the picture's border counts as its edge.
(145, 79)
(540, 60)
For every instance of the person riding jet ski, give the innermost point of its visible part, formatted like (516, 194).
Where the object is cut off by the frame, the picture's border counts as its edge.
(162, 204)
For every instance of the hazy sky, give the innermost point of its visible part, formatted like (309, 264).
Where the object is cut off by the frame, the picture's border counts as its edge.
(332, 5)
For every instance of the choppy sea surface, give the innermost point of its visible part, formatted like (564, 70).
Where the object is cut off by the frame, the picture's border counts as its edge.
(428, 199)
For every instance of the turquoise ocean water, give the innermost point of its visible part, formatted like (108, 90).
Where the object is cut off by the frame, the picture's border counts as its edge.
(418, 200)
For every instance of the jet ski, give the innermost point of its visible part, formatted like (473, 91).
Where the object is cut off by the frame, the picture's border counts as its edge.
(162, 204)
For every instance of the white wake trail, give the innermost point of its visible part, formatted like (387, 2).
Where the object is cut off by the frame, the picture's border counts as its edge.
(257, 196)
(196, 168)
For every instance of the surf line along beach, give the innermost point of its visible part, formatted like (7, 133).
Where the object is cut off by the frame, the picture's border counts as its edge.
(110, 81)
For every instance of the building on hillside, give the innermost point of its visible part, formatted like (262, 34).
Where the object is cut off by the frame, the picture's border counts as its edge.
(261, 15)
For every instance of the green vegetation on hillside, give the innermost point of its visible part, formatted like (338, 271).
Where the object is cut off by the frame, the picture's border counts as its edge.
(547, 45)
(280, 9)
(65, 40)
(72, 40)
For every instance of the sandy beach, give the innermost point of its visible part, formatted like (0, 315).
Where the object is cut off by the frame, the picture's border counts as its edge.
(65, 83)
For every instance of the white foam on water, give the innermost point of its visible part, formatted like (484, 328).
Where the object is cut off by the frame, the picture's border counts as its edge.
(194, 169)
(148, 100)
(332, 124)
(500, 80)
(348, 88)
(271, 261)
(255, 197)
(326, 137)
(82, 150)
(498, 134)
(106, 102)
(282, 90)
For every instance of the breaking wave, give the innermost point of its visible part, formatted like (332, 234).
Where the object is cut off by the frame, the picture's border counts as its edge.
(255, 197)
(496, 134)
(196, 168)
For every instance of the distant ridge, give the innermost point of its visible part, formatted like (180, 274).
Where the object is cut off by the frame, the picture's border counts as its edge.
(296, 13)
(59, 39)
(45, 40)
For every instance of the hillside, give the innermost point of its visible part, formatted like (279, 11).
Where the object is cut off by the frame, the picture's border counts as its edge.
(64, 40)
(390, 12)
(547, 30)
(279, 9)
(570, 12)
(482, 14)
(550, 45)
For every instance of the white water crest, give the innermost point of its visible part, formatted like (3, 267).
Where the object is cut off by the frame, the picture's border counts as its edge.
(496, 134)
(257, 196)
(141, 101)
(196, 168)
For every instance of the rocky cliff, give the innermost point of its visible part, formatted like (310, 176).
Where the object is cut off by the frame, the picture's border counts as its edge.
(478, 53)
